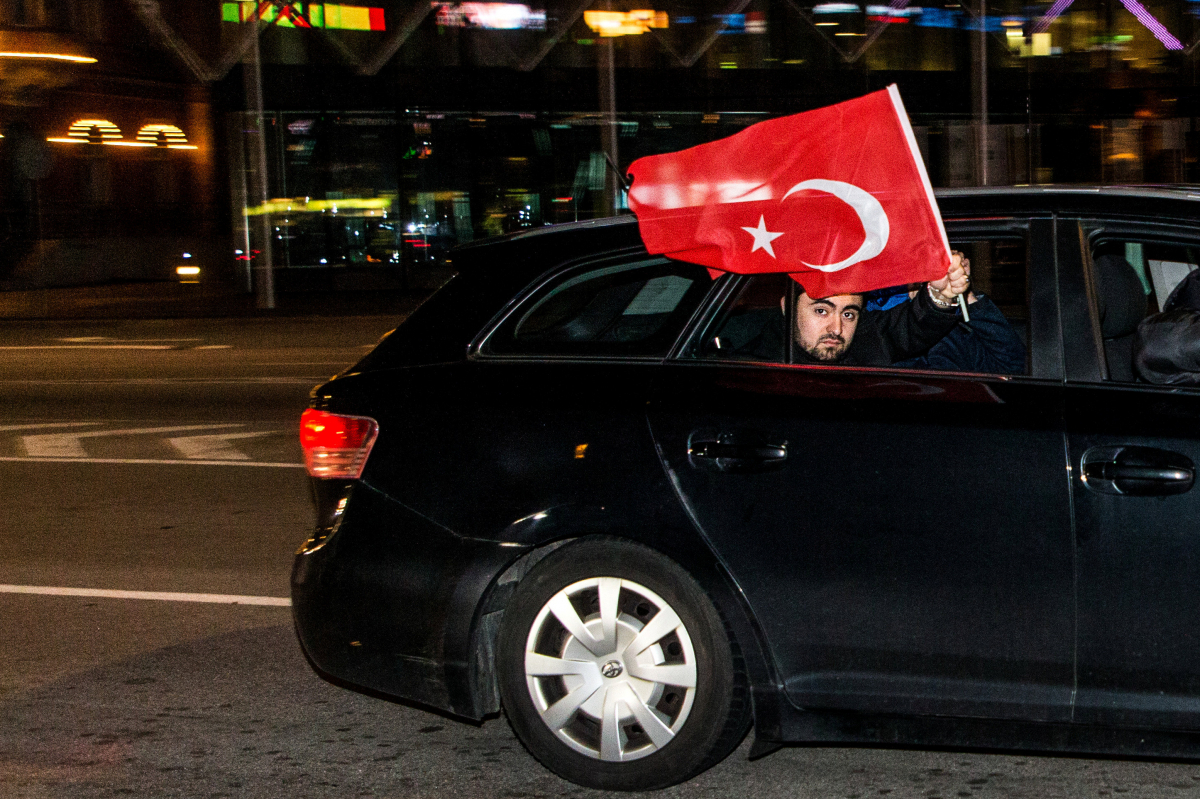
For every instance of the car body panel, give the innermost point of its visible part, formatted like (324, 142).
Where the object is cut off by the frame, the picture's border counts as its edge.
(956, 600)
(927, 567)
(1138, 562)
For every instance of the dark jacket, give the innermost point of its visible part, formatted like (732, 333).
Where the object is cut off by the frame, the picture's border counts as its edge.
(1166, 348)
(987, 344)
(1166, 345)
(885, 337)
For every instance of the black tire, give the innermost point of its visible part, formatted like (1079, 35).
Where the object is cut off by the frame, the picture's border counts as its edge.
(613, 711)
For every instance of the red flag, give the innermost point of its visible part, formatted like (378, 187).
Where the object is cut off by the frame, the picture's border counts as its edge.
(838, 197)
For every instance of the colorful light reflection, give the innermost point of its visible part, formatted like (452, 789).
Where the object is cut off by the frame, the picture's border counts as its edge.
(1151, 24)
(332, 16)
(625, 23)
(489, 16)
(74, 59)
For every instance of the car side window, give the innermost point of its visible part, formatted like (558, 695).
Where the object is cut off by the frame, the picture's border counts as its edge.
(629, 309)
(755, 323)
(996, 340)
(753, 327)
(1132, 279)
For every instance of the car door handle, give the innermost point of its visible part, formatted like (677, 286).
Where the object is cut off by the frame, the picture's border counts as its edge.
(1137, 471)
(738, 452)
(717, 449)
(1110, 471)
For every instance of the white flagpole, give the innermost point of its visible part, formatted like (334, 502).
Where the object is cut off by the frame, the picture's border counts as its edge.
(906, 126)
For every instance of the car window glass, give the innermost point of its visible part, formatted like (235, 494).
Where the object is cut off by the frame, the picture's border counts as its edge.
(996, 339)
(998, 302)
(753, 326)
(1131, 279)
(621, 309)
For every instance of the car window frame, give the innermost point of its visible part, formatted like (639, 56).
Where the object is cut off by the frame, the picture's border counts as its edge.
(1044, 341)
(478, 349)
(1092, 229)
(718, 304)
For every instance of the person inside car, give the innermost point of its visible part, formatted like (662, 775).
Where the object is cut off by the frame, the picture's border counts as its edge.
(839, 330)
(1166, 345)
(988, 344)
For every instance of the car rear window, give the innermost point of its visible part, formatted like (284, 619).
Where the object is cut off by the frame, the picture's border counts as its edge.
(625, 309)
(1132, 277)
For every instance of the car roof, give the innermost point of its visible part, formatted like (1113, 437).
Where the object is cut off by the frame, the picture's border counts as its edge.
(1171, 191)
(1119, 199)
(1126, 202)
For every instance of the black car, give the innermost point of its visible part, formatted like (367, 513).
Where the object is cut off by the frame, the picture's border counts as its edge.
(565, 487)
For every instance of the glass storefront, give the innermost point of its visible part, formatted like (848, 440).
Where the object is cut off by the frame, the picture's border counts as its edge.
(476, 118)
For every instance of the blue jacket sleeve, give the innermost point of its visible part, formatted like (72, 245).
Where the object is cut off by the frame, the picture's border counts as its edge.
(987, 344)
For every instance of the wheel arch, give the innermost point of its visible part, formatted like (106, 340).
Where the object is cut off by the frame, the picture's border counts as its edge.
(697, 561)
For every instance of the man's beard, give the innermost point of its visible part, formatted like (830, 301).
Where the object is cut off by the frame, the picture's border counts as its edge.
(828, 354)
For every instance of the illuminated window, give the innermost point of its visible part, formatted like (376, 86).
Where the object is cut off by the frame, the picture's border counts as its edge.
(90, 131)
(101, 131)
(164, 136)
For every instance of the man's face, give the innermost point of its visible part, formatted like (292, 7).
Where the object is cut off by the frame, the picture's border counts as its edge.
(825, 327)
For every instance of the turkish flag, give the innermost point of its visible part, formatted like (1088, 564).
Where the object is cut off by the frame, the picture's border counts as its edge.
(838, 197)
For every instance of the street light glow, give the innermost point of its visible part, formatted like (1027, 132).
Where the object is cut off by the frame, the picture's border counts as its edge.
(75, 59)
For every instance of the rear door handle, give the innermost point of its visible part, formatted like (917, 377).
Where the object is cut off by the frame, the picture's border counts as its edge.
(737, 452)
(1137, 471)
(715, 449)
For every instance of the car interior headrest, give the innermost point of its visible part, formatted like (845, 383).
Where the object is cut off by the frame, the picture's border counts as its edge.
(1120, 295)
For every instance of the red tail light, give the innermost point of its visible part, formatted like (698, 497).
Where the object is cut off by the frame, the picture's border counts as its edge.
(336, 445)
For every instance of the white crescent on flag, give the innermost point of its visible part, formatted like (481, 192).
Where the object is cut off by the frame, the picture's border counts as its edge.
(870, 213)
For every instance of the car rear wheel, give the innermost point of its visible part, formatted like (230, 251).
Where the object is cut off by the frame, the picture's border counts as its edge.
(616, 671)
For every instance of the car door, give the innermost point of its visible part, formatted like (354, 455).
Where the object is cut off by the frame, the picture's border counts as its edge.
(1133, 449)
(902, 537)
(549, 409)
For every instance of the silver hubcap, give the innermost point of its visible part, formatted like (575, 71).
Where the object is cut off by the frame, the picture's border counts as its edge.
(610, 668)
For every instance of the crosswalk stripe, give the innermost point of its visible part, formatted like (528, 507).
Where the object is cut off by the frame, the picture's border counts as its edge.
(214, 447)
(67, 445)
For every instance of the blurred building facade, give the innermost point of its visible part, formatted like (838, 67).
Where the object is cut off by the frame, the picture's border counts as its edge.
(306, 141)
(109, 163)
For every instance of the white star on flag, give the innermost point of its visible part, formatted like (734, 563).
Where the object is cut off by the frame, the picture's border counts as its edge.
(762, 237)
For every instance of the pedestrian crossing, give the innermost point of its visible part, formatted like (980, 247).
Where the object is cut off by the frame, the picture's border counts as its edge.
(112, 441)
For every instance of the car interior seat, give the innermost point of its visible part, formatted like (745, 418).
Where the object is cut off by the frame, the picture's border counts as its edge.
(758, 306)
(1121, 300)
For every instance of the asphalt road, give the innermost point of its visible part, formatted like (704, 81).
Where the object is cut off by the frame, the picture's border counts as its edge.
(159, 459)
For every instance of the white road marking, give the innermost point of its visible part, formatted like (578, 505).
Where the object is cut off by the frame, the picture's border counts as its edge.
(41, 425)
(151, 461)
(92, 347)
(97, 339)
(298, 364)
(171, 381)
(67, 445)
(167, 596)
(215, 447)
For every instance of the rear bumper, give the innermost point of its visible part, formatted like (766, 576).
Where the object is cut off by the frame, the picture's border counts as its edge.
(391, 603)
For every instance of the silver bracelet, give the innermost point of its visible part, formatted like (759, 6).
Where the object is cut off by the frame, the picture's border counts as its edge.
(936, 301)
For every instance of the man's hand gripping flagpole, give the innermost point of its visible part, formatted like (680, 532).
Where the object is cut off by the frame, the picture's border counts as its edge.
(953, 287)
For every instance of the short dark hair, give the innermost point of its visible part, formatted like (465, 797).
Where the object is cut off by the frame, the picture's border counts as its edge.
(862, 297)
